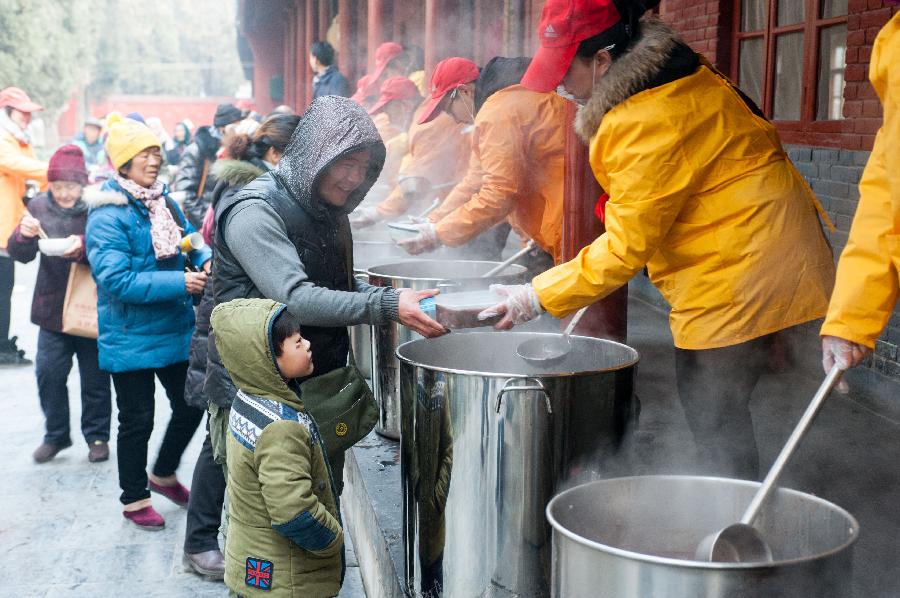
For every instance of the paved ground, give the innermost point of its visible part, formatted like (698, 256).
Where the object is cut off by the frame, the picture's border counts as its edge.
(61, 526)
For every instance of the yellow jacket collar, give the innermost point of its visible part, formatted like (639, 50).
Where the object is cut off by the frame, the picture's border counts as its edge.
(627, 75)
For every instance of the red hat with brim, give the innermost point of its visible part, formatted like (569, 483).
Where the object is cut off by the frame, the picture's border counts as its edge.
(395, 88)
(364, 89)
(385, 53)
(448, 75)
(17, 99)
(564, 25)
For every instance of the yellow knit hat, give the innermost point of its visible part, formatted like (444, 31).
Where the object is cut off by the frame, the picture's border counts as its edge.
(127, 138)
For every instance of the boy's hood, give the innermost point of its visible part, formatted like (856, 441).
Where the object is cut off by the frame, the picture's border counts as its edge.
(243, 330)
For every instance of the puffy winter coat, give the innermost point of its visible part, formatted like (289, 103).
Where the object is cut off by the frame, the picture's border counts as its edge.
(702, 193)
(284, 531)
(231, 176)
(199, 155)
(17, 163)
(519, 144)
(868, 276)
(53, 272)
(145, 315)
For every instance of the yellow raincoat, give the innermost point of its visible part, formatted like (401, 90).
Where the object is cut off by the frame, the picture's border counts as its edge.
(516, 173)
(703, 194)
(17, 163)
(868, 276)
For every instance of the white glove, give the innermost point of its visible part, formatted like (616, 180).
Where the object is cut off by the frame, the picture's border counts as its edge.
(426, 240)
(844, 354)
(521, 305)
(364, 217)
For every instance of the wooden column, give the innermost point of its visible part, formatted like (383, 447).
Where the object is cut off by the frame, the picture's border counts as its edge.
(375, 30)
(352, 53)
(310, 35)
(607, 318)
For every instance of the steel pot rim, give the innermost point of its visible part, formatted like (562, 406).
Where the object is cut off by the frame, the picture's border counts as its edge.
(509, 271)
(628, 364)
(690, 564)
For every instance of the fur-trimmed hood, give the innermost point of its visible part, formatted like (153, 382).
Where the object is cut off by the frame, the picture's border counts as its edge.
(96, 196)
(628, 75)
(236, 173)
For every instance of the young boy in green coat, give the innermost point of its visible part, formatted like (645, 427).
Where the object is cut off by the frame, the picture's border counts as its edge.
(284, 536)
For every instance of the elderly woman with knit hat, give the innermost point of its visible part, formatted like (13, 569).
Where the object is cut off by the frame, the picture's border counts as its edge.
(145, 313)
(61, 213)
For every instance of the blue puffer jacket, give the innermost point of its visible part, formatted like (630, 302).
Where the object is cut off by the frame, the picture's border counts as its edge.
(145, 315)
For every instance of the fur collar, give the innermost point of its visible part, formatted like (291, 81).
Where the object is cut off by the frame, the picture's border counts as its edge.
(96, 197)
(628, 75)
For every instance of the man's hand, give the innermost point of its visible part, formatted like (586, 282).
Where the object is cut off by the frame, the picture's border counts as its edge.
(426, 240)
(194, 282)
(30, 226)
(412, 316)
(521, 305)
(844, 354)
(75, 250)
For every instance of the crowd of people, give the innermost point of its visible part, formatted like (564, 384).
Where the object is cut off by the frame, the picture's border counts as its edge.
(698, 190)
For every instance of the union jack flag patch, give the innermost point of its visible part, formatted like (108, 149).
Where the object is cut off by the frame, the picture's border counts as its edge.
(259, 573)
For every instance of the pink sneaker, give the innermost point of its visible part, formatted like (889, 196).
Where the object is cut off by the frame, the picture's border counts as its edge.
(178, 494)
(146, 518)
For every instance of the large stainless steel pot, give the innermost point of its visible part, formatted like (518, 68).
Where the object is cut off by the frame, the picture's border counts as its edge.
(447, 275)
(365, 255)
(486, 440)
(635, 538)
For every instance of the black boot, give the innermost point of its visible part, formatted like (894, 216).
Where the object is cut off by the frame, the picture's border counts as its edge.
(12, 355)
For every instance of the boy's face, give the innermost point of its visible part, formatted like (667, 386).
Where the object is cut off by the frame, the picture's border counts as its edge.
(295, 360)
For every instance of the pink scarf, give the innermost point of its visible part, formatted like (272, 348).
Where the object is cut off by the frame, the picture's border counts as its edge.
(164, 232)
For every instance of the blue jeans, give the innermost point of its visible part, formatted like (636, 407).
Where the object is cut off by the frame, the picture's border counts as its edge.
(52, 366)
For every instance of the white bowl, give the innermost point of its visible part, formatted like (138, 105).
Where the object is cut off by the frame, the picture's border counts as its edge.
(55, 247)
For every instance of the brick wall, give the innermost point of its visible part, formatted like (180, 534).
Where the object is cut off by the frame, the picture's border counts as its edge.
(705, 25)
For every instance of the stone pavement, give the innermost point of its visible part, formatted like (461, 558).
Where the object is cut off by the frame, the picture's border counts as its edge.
(61, 527)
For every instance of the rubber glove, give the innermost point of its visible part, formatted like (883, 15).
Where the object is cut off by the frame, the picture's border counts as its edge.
(426, 240)
(520, 306)
(844, 354)
(364, 217)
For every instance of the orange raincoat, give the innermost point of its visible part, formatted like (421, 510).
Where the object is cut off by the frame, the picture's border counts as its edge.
(17, 163)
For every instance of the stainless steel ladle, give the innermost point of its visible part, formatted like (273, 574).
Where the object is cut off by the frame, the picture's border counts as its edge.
(741, 542)
(547, 349)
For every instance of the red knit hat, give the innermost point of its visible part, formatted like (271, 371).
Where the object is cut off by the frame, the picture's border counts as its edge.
(67, 164)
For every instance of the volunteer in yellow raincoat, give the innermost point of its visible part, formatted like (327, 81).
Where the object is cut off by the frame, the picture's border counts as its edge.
(868, 275)
(516, 172)
(702, 193)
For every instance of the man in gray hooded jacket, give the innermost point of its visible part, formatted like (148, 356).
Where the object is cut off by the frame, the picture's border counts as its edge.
(286, 237)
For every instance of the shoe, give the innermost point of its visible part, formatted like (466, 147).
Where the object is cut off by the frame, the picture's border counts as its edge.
(48, 450)
(98, 451)
(178, 494)
(209, 564)
(11, 354)
(146, 518)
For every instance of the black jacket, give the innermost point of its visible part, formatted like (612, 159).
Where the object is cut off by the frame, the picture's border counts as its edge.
(231, 175)
(331, 83)
(190, 174)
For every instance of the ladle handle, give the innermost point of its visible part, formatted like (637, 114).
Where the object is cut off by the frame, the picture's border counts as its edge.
(768, 484)
(505, 264)
(574, 322)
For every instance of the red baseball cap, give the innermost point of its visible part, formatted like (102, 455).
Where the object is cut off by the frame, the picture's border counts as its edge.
(365, 88)
(395, 88)
(448, 74)
(564, 25)
(385, 53)
(18, 99)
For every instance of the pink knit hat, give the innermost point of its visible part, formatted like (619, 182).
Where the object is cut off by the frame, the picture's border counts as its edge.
(67, 164)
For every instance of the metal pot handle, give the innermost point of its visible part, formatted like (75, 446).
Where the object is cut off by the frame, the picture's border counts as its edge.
(538, 385)
(448, 286)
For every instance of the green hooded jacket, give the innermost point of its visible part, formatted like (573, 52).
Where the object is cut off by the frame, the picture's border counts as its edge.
(284, 536)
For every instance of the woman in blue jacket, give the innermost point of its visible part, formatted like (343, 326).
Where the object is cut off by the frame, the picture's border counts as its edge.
(145, 313)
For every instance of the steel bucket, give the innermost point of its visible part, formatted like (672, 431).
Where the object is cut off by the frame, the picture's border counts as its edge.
(367, 254)
(635, 538)
(486, 440)
(447, 275)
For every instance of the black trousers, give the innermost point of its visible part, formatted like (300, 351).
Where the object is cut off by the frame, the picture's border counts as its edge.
(204, 512)
(7, 279)
(715, 386)
(135, 399)
(52, 366)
